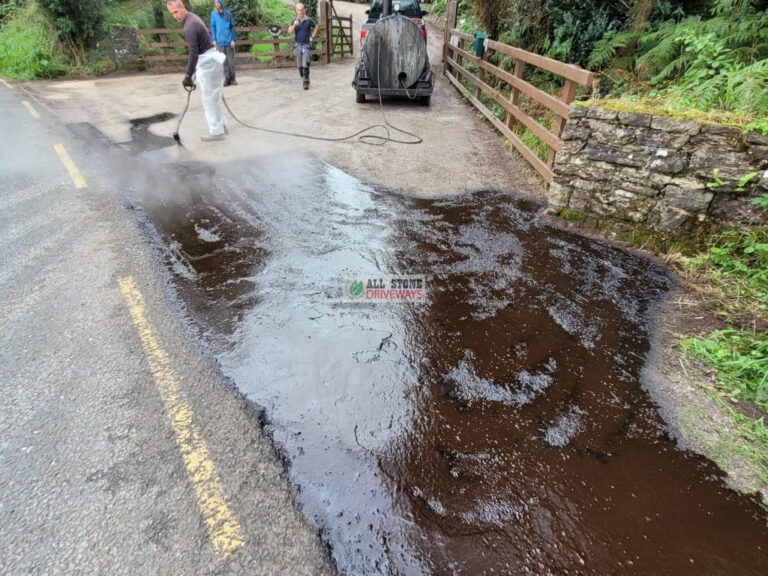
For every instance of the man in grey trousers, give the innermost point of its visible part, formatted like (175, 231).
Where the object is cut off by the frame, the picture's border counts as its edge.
(224, 35)
(305, 29)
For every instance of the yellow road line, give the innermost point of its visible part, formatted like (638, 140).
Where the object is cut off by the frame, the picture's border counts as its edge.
(5, 83)
(74, 173)
(223, 528)
(31, 109)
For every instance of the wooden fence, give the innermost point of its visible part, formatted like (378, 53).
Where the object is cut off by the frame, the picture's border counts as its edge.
(455, 57)
(166, 48)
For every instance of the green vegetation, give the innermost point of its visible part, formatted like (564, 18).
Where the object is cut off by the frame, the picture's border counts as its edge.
(736, 266)
(78, 23)
(137, 14)
(729, 271)
(28, 46)
(733, 274)
(741, 359)
(275, 12)
(272, 12)
(695, 56)
(750, 444)
(54, 38)
(704, 60)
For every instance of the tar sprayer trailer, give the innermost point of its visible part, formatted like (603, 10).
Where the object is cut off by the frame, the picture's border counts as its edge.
(393, 60)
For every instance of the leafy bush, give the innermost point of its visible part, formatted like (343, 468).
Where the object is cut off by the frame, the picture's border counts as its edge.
(244, 11)
(8, 8)
(491, 14)
(716, 78)
(29, 48)
(275, 12)
(136, 14)
(437, 7)
(78, 22)
(578, 25)
(714, 63)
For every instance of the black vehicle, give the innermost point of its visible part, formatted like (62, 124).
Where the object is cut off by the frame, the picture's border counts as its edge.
(393, 59)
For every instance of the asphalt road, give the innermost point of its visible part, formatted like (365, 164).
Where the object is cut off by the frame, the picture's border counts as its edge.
(122, 448)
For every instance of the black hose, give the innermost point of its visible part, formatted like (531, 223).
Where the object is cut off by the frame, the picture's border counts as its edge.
(370, 139)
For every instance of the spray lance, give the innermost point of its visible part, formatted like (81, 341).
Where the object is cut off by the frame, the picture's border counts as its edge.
(189, 90)
(274, 31)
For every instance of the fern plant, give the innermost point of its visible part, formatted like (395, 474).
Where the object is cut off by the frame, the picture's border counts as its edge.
(605, 49)
(720, 62)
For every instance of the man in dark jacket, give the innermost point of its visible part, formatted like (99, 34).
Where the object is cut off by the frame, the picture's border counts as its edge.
(206, 64)
(224, 36)
(305, 29)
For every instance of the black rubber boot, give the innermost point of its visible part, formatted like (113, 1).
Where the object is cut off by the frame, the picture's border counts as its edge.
(301, 72)
(306, 78)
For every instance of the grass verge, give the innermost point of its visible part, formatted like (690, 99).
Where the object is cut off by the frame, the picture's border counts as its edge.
(728, 271)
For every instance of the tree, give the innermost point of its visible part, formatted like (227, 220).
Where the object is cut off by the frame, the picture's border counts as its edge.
(641, 14)
(78, 23)
(492, 14)
(244, 11)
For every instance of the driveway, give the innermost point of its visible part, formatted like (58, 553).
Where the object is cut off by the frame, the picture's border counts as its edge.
(460, 150)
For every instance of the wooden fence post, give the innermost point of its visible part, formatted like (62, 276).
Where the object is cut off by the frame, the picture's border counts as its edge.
(325, 18)
(568, 94)
(450, 23)
(164, 38)
(519, 67)
(481, 73)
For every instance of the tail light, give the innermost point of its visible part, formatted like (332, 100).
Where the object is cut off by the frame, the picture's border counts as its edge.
(423, 28)
(363, 32)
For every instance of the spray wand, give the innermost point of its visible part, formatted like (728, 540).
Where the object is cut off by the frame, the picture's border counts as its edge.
(176, 136)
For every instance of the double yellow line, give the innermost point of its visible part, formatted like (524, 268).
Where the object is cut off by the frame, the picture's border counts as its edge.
(223, 528)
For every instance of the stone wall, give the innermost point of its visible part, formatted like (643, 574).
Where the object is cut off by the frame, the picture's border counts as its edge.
(120, 51)
(658, 170)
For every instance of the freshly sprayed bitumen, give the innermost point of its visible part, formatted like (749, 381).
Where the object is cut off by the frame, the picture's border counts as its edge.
(499, 428)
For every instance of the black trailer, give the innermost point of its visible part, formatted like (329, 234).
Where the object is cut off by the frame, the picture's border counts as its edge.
(421, 90)
(394, 61)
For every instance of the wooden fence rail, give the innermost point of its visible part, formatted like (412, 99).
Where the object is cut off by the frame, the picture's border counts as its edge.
(455, 57)
(174, 51)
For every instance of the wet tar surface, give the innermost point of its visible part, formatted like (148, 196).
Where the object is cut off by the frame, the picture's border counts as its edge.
(500, 427)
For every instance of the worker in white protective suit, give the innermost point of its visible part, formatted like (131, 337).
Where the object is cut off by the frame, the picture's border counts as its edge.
(207, 64)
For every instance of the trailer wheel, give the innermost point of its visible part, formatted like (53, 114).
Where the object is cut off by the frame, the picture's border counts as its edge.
(359, 97)
(425, 100)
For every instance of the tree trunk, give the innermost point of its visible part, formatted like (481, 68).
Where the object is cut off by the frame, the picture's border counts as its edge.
(642, 13)
(642, 10)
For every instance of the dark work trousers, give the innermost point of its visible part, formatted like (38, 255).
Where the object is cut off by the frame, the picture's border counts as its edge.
(229, 64)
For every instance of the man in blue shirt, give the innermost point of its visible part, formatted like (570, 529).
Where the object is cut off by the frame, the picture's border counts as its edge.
(305, 30)
(224, 36)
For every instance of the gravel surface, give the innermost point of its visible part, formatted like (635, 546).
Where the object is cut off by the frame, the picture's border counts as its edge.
(460, 152)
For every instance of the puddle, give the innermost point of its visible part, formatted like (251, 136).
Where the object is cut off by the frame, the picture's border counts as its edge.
(498, 428)
(143, 141)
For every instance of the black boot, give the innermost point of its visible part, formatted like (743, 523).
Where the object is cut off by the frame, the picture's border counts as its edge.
(306, 78)
(301, 72)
